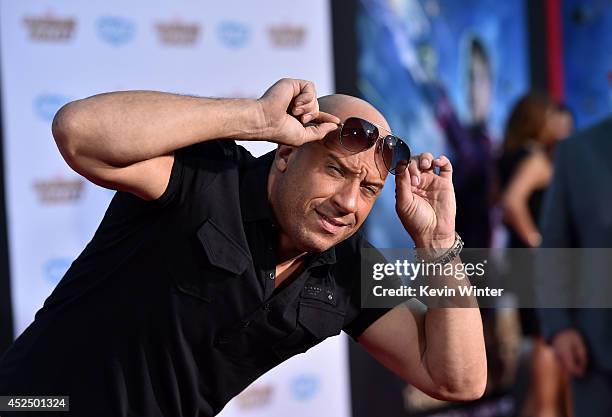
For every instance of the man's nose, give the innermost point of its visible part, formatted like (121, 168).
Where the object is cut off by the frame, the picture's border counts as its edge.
(346, 198)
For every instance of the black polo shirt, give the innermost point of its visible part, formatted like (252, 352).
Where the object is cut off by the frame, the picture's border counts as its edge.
(171, 309)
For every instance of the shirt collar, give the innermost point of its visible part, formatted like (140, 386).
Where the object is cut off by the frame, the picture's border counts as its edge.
(327, 257)
(255, 206)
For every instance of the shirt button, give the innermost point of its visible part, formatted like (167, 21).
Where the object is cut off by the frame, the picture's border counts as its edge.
(271, 275)
(246, 324)
(266, 307)
(330, 297)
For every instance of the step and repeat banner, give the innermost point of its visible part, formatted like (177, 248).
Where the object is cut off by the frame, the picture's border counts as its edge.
(53, 52)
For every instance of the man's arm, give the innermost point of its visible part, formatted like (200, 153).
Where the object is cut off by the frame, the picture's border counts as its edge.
(439, 350)
(125, 140)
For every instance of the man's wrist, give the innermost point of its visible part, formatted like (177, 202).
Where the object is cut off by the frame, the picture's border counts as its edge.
(440, 250)
(250, 120)
(443, 242)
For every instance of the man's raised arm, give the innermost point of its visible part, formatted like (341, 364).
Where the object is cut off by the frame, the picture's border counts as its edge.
(125, 140)
(439, 350)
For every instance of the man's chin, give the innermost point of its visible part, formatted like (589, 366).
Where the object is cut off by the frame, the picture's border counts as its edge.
(317, 243)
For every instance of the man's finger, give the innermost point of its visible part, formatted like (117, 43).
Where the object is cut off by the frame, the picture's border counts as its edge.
(306, 92)
(414, 171)
(318, 131)
(323, 117)
(403, 189)
(302, 110)
(297, 111)
(446, 168)
(425, 160)
(304, 99)
(310, 111)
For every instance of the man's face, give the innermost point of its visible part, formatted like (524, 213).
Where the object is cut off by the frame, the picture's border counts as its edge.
(325, 192)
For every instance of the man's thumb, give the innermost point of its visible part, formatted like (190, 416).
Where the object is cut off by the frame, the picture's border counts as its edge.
(318, 131)
(403, 189)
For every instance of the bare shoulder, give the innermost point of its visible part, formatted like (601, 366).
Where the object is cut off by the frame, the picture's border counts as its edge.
(536, 168)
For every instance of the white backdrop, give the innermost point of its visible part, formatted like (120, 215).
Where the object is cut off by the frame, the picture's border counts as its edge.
(55, 51)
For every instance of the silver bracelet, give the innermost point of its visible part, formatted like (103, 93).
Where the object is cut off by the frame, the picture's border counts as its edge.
(447, 256)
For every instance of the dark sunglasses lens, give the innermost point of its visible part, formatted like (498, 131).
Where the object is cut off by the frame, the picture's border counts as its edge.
(396, 154)
(357, 135)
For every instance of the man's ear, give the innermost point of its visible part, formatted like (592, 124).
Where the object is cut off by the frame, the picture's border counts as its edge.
(283, 154)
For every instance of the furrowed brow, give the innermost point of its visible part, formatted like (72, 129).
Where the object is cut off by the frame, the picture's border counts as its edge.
(344, 167)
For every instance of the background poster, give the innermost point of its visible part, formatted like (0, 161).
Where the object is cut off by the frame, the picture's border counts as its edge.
(445, 74)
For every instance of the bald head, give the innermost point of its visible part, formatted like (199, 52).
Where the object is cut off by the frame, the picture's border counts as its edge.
(320, 192)
(344, 106)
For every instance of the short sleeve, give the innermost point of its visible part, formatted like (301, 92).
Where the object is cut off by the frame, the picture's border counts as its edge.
(174, 182)
(194, 167)
(363, 317)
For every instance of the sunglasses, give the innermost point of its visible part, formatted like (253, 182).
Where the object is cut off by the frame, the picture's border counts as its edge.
(357, 135)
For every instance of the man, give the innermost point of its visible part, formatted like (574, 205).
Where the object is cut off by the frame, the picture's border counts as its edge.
(210, 266)
(577, 214)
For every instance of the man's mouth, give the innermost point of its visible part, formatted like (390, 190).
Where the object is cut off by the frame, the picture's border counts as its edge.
(330, 225)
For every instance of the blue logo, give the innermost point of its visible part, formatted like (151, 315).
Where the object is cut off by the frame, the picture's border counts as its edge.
(233, 34)
(304, 387)
(46, 105)
(56, 268)
(116, 30)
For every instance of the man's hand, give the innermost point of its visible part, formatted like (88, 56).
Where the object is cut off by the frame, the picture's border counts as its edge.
(571, 351)
(287, 106)
(425, 201)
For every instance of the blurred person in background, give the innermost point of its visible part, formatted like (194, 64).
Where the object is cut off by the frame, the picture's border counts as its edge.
(576, 214)
(525, 168)
(564, 125)
(469, 143)
(535, 125)
(474, 194)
